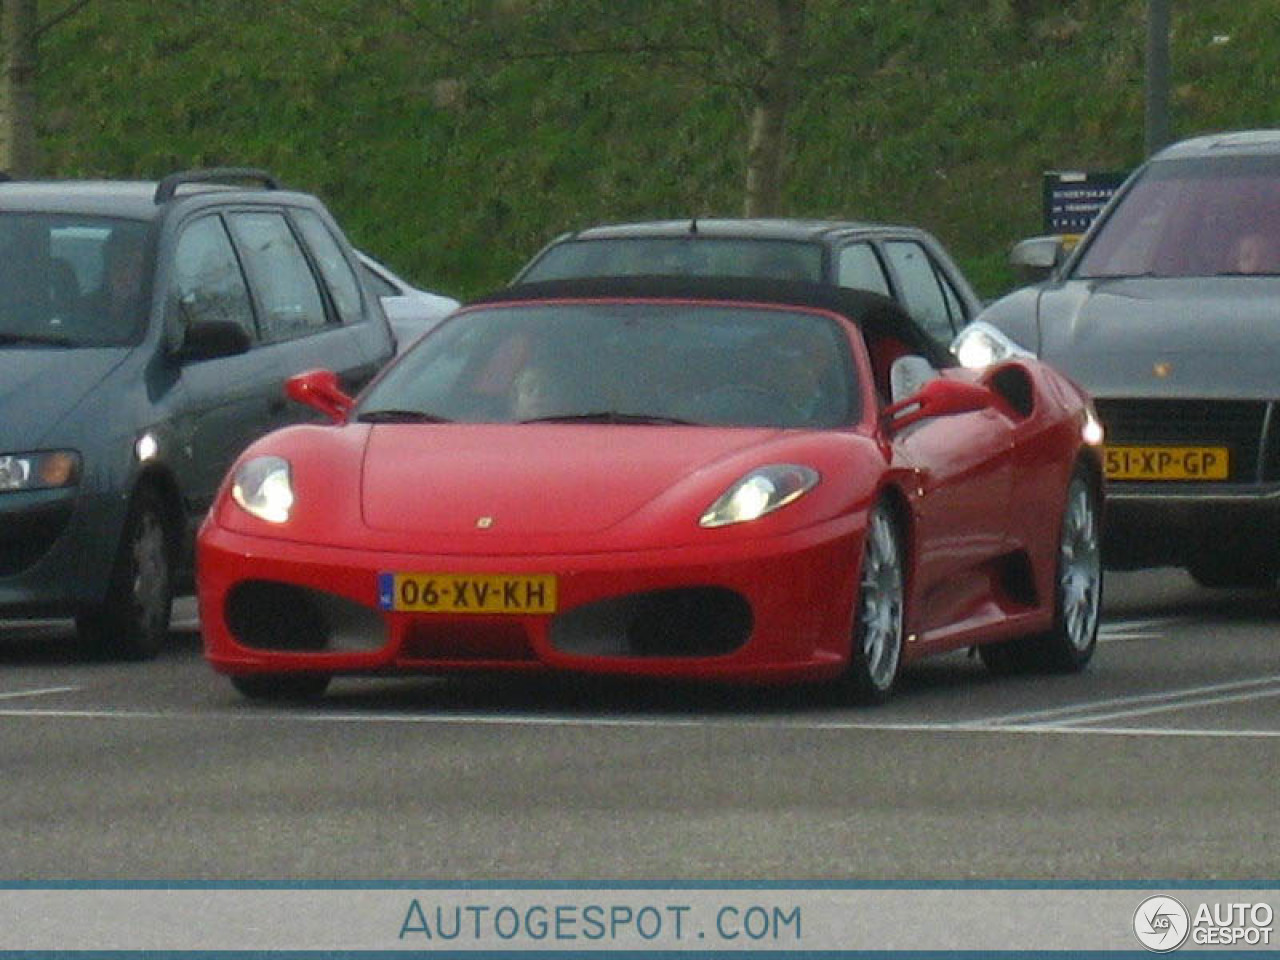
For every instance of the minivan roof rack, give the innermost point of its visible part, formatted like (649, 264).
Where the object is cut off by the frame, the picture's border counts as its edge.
(167, 187)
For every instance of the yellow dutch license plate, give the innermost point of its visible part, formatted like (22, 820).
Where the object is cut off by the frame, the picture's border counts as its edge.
(467, 593)
(1168, 463)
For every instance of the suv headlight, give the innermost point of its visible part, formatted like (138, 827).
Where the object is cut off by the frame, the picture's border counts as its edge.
(263, 487)
(760, 492)
(44, 470)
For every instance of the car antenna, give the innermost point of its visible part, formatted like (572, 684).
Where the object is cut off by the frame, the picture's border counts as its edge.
(693, 224)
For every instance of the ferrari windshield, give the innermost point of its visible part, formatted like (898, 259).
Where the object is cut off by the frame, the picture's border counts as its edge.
(1192, 218)
(624, 363)
(70, 281)
(680, 256)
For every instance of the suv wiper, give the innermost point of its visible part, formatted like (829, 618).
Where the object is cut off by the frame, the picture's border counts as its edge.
(36, 339)
(399, 416)
(612, 416)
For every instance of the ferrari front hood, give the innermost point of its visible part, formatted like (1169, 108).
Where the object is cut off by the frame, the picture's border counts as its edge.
(529, 480)
(1204, 337)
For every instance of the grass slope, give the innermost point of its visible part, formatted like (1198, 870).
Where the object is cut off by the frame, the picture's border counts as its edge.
(946, 115)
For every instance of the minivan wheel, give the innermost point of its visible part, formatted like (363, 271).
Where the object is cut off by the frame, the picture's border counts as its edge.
(132, 623)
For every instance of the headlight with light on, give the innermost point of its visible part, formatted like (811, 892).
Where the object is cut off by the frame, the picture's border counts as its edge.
(760, 492)
(45, 470)
(980, 344)
(1091, 430)
(263, 487)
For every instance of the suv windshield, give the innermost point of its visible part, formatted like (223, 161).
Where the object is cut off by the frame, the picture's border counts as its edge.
(681, 256)
(72, 281)
(1197, 217)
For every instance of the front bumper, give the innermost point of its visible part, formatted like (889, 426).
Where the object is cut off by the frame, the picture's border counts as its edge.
(772, 610)
(1154, 522)
(57, 548)
(1174, 524)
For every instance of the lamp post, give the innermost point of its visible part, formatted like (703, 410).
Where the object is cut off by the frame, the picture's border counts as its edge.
(1157, 95)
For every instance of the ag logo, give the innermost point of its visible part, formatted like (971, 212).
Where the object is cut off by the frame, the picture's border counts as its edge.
(1161, 923)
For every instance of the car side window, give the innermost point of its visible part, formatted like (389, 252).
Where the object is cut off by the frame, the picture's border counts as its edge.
(280, 274)
(922, 289)
(860, 268)
(378, 283)
(207, 284)
(337, 272)
(955, 306)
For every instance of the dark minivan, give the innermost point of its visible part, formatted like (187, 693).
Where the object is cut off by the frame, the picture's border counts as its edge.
(146, 331)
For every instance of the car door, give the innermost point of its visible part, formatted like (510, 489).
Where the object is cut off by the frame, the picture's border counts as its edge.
(924, 289)
(302, 317)
(357, 310)
(226, 402)
(962, 473)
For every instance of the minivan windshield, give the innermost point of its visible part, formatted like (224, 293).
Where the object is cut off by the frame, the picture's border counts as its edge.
(1193, 217)
(70, 281)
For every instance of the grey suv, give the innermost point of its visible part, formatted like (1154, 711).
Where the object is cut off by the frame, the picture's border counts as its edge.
(1168, 313)
(146, 331)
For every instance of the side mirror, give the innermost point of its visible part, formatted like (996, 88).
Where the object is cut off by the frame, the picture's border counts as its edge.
(937, 398)
(1037, 257)
(213, 339)
(319, 389)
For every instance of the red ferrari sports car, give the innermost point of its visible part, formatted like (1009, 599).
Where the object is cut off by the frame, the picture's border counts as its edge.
(750, 481)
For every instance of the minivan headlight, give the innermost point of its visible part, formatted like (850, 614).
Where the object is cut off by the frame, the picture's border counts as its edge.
(42, 470)
(263, 487)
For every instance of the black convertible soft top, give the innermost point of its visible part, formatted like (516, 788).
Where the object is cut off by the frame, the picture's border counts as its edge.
(877, 314)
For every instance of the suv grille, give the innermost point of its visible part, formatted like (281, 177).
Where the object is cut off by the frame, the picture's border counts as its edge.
(1250, 428)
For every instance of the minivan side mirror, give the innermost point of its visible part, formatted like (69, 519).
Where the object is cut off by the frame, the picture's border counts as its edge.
(213, 339)
(320, 390)
(941, 397)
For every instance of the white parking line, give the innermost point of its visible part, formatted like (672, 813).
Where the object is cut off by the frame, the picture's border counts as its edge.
(42, 692)
(1122, 630)
(544, 721)
(1139, 704)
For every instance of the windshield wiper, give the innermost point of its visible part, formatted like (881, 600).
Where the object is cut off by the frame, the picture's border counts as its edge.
(36, 339)
(399, 416)
(612, 416)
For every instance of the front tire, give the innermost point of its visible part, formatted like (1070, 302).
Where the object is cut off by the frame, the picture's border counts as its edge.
(277, 688)
(876, 648)
(132, 623)
(1218, 571)
(1071, 641)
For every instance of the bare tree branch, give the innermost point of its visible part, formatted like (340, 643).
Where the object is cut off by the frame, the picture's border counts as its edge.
(65, 14)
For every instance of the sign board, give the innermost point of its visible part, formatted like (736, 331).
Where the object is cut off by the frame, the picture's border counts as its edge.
(1072, 198)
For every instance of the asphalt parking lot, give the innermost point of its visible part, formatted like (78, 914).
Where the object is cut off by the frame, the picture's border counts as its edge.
(1159, 761)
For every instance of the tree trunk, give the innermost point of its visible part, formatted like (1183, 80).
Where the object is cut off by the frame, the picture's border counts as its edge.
(771, 98)
(18, 25)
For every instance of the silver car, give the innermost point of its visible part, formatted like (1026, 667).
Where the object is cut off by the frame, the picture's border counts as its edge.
(411, 312)
(1168, 312)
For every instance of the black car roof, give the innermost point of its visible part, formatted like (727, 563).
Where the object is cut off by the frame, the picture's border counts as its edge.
(763, 228)
(865, 308)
